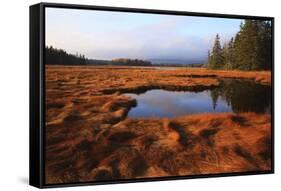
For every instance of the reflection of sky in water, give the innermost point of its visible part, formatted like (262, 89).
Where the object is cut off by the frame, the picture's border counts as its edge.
(161, 103)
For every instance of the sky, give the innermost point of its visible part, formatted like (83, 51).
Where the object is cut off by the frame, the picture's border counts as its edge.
(109, 35)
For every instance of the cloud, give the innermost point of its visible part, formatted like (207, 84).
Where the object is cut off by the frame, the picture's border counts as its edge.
(107, 35)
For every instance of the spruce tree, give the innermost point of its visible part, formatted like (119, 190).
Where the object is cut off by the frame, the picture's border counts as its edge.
(264, 45)
(246, 46)
(249, 50)
(216, 58)
(225, 55)
(229, 55)
(253, 47)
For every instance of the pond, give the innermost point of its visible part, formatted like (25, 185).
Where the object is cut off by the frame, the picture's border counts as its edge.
(232, 96)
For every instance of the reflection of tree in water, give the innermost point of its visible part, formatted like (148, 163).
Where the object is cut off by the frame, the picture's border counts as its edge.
(215, 93)
(243, 96)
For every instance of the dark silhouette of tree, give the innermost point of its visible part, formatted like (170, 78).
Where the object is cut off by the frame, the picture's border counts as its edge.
(56, 56)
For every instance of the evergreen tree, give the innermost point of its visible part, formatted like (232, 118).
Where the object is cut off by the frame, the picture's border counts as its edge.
(264, 45)
(253, 47)
(246, 46)
(250, 50)
(229, 55)
(216, 57)
(225, 55)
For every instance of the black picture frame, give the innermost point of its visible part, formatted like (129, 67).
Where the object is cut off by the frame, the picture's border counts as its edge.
(37, 94)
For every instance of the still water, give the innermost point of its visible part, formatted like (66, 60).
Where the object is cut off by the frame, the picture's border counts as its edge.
(232, 96)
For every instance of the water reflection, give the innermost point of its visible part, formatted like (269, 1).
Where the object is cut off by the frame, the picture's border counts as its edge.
(232, 96)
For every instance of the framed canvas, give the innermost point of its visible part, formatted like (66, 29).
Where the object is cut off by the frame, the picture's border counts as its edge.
(127, 95)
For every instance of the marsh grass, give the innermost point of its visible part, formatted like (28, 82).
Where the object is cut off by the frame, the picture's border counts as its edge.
(89, 136)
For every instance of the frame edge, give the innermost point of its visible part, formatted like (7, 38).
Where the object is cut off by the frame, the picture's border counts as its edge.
(35, 162)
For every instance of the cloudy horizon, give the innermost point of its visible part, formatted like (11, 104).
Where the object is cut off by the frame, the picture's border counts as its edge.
(108, 35)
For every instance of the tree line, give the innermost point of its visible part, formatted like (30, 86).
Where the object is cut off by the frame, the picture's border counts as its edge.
(250, 49)
(54, 56)
(61, 57)
(131, 62)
